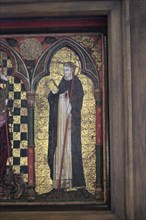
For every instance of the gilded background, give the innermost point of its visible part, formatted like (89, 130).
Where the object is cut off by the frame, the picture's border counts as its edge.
(43, 181)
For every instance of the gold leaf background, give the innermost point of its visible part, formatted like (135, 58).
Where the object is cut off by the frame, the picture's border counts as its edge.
(43, 181)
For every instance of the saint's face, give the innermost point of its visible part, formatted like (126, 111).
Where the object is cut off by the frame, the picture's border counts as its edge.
(67, 72)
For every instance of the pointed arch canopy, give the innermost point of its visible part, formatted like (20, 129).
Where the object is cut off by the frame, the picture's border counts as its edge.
(88, 66)
(19, 67)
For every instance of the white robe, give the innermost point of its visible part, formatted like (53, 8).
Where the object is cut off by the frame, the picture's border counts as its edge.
(64, 108)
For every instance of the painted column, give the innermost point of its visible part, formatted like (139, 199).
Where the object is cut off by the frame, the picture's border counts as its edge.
(99, 144)
(31, 152)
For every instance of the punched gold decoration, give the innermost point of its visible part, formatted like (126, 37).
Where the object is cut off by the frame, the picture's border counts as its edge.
(92, 45)
(92, 42)
(43, 181)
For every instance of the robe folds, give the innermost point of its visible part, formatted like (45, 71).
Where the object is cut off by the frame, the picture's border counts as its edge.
(57, 120)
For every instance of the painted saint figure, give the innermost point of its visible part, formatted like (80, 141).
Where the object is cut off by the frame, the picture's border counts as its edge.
(64, 151)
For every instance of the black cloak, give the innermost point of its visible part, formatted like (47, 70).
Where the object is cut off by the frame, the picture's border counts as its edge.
(76, 103)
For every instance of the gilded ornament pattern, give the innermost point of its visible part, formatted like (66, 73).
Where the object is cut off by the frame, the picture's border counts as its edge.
(31, 49)
(43, 181)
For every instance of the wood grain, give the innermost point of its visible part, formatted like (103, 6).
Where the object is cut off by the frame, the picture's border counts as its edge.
(57, 215)
(116, 116)
(54, 8)
(128, 131)
(138, 49)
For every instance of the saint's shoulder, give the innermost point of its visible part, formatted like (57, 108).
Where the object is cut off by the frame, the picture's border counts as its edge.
(77, 80)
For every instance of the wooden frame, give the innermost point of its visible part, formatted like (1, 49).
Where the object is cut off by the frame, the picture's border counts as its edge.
(120, 102)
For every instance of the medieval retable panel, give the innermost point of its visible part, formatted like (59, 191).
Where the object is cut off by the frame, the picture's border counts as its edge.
(53, 123)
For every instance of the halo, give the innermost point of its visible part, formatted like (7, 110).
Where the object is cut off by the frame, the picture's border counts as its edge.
(62, 56)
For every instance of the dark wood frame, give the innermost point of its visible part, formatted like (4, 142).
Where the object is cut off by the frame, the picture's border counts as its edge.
(120, 92)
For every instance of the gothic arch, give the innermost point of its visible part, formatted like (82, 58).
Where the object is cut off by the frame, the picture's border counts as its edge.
(19, 67)
(88, 66)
